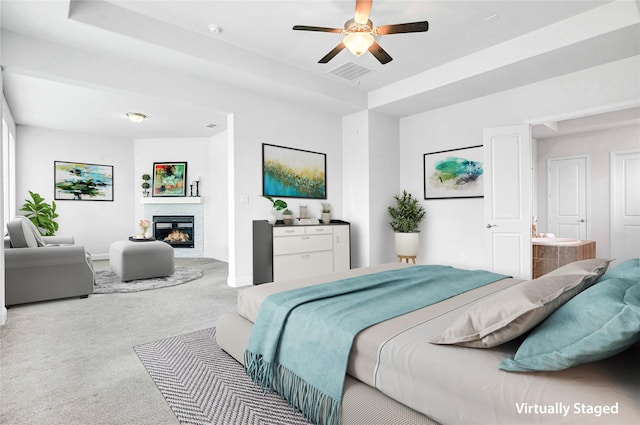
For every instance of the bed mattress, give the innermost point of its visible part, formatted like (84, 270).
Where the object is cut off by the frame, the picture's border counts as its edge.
(464, 385)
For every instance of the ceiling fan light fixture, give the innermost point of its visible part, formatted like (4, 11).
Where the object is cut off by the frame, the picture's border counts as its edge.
(136, 117)
(358, 42)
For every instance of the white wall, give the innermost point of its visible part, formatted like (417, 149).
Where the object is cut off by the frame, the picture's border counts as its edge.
(597, 145)
(455, 228)
(371, 178)
(384, 177)
(206, 158)
(94, 224)
(355, 154)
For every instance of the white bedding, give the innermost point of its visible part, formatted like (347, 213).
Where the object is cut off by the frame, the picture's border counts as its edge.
(456, 385)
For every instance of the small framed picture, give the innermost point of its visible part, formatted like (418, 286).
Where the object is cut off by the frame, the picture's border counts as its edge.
(169, 179)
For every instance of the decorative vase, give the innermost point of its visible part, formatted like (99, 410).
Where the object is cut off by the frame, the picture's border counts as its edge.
(271, 217)
(326, 217)
(407, 244)
(288, 219)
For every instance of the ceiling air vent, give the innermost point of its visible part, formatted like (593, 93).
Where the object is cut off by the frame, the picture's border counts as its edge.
(349, 71)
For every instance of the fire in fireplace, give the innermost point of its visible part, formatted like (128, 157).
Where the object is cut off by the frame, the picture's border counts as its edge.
(176, 230)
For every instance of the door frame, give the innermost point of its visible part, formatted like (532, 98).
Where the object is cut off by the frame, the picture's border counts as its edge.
(587, 188)
(613, 189)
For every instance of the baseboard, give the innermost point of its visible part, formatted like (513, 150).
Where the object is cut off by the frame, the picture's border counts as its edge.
(237, 283)
(3, 316)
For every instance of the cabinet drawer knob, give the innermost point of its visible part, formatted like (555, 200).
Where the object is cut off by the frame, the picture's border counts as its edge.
(305, 237)
(305, 257)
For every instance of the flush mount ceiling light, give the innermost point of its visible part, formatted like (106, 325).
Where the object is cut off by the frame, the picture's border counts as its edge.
(136, 116)
(215, 29)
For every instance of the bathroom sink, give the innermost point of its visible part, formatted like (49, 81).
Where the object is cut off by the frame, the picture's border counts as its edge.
(553, 241)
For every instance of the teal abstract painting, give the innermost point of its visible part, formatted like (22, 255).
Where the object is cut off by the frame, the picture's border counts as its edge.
(454, 173)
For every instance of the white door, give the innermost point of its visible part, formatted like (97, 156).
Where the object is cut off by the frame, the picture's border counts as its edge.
(507, 199)
(567, 197)
(625, 205)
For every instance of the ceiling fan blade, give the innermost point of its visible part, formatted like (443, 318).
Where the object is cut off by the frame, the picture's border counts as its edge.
(320, 29)
(379, 53)
(421, 26)
(363, 7)
(332, 53)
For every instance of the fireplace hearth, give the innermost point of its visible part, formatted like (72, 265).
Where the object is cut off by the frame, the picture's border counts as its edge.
(176, 230)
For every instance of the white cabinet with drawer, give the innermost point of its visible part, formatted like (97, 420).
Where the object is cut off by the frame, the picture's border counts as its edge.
(288, 252)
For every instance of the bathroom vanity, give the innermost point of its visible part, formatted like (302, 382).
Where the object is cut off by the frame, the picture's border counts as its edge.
(550, 253)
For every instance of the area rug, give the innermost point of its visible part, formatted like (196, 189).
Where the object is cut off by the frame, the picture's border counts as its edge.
(204, 385)
(107, 282)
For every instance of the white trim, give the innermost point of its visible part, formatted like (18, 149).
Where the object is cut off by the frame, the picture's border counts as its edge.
(601, 109)
(3, 316)
(176, 200)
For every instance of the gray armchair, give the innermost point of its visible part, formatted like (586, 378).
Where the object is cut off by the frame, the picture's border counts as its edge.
(40, 268)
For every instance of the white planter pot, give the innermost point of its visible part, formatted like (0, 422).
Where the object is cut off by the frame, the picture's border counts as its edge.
(326, 218)
(407, 244)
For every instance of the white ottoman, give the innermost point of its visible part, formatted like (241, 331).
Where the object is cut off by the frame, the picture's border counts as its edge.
(141, 260)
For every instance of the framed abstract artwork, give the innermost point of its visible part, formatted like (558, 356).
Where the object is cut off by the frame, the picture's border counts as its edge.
(293, 173)
(455, 173)
(169, 179)
(77, 181)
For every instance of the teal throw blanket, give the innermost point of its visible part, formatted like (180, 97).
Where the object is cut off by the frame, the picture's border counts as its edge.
(301, 339)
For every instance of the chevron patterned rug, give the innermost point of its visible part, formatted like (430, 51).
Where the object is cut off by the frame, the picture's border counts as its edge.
(204, 385)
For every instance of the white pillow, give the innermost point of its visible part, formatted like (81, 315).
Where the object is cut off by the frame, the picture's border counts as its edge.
(510, 313)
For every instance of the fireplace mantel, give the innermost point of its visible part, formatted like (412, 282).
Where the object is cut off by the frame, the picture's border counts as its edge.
(176, 200)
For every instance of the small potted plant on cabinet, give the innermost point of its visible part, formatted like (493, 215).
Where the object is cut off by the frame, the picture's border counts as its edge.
(326, 212)
(287, 216)
(277, 205)
(406, 216)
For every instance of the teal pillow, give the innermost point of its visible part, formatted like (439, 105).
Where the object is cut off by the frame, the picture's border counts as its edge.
(629, 269)
(600, 322)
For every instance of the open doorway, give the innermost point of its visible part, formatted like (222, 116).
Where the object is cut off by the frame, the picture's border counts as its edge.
(594, 137)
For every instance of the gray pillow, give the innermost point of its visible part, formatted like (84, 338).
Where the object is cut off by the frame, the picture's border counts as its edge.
(24, 234)
(514, 311)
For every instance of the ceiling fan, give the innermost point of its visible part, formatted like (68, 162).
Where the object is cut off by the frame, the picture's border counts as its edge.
(359, 33)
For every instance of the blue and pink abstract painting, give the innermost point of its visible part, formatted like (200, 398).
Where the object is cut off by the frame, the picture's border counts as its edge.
(453, 174)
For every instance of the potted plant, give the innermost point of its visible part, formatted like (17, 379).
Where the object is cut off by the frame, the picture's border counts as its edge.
(406, 216)
(326, 212)
(287, 216)
(145, 184)
(277, 205)
(41, 214)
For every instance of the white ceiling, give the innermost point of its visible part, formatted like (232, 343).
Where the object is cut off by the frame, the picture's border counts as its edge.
(257, 51)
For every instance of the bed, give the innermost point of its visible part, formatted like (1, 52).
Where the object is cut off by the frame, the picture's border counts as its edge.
(405, 371)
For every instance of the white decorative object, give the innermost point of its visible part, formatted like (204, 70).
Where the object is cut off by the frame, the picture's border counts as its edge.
(407, 244)
(271, 217)
(326, 217)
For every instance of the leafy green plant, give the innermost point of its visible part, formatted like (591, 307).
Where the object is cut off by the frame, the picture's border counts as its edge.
(407, 213)
(41, 214)
(278, 204)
